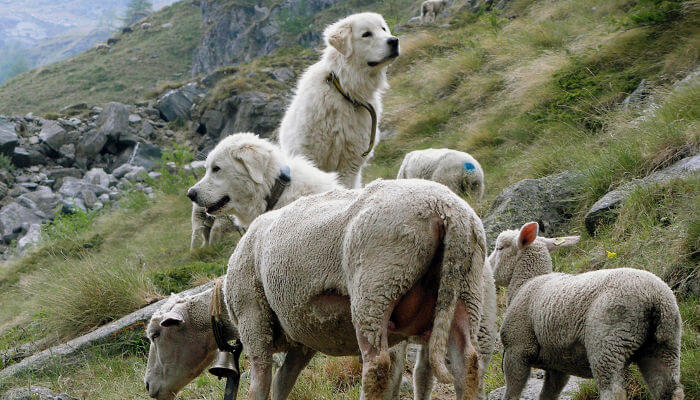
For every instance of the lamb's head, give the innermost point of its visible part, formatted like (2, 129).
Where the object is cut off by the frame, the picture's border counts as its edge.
(240, 172)
(520, 255)
(363, 39)
(182, 344)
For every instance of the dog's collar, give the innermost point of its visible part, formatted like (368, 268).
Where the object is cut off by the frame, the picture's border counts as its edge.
(281, 183)
(333, 80)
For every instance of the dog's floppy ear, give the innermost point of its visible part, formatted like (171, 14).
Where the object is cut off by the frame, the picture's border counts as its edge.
(339, 36)
(254, 161)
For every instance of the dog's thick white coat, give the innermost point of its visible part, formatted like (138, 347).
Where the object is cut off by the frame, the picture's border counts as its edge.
(320, 123)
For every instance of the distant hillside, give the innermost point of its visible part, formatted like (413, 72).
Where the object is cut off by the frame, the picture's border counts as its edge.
(137, 64)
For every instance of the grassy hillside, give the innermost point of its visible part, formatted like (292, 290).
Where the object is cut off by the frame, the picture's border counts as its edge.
(138, 64)
(529, 92)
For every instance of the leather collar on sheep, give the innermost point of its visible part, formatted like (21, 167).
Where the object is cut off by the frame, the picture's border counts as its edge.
(281, 183)
(332, 80)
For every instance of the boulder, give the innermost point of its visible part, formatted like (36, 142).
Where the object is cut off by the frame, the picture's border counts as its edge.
(44, 199)
(212, 122)
(534, 386)
(92, 143)
(4, 190)
(177, 103)
(550, 201)
(8, 137)
(73, 187)
(26, 157)
(283, 74)
(97, 176)
(114, 120)
(143, 154)
(53, 135)
(31, 238)
(122, 170)
(34, 393)
(15, 219)
(252, 112)
(602, 210)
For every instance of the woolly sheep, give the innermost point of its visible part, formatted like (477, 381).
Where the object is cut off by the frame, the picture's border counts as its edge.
(207, 230)
(431, 9)
(457, 170)
(589, 325)
(336, 273)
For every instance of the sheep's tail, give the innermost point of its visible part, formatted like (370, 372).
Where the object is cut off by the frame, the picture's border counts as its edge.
(667, 318)
(460, 278)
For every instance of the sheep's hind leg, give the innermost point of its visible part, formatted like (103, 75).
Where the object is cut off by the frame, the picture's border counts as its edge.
(463, 357)
(516, 371)
(295, 361)
(423, 379)
(661, 370)
(554, 382)
(376, 366)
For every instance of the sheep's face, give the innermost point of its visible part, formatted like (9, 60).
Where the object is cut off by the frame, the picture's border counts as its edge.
(181, 348)
(511, 244)
(240, 171)
(363, 39)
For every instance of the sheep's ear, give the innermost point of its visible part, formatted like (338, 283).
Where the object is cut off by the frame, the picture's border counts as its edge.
(338, 36)
(253, 160)
(172, 318)
(528, 234)
(556, 243)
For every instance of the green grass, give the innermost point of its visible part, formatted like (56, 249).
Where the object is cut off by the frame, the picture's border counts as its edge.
(141, 62)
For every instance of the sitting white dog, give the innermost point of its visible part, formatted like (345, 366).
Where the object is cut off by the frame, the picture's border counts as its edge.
(333, 117)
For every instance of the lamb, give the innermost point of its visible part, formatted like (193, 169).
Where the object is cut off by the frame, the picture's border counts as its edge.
(589, 325)
(457, 170)
(431, 9)
(354, 281)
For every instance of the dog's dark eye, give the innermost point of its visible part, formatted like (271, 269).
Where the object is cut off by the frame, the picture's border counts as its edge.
(215, 169)
(367, 34)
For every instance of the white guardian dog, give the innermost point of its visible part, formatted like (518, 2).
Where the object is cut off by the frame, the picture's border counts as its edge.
(333, 117)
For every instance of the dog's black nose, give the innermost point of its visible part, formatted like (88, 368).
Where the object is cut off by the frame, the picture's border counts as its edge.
(192, 194)
(393, 42)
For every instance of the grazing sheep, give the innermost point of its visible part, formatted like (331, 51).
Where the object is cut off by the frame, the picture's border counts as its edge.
(146, 26)
(431, 9)
(330, 119)
(589, 325)
(336, 273)
(457, 170)
(207, 230)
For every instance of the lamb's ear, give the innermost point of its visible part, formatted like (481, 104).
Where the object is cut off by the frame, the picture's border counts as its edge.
(253, 160)
(555, 243)
(338, 36)
(528, 234)
(172, 318)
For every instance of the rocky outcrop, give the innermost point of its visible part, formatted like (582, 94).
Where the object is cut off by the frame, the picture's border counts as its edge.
(602, 210)
(8, 137)
(550, 201)
(246, 112)
(237, 32)
(177, 103)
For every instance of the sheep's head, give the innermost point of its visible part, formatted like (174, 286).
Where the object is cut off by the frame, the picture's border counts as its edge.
(523, 253)
(182, 345)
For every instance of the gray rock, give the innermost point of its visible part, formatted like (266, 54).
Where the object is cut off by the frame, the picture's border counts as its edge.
(44, 199)
(23, 157)
(534, 386)
(73, 187)
(137, 174)
(74, 107)
(16, 219)
(4, 190)
(114, 120)
(92, 144)
(134, 118)
(602, 210)
(53, 134)
(8, 137)
(252, 112)
(67, 150)
(212, 122)
(550, 201)
(637, 96)
(89, 198)
(122, 170)
(283, 74)
(34, 393)
(31, 238)
(97, 176)
(143, 154)
(178, 102)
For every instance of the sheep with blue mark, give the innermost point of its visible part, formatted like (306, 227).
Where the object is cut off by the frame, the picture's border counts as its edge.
(457, 170)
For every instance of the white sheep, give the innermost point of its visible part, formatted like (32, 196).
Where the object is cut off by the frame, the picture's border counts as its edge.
(336, 273)
(589, 325)
(457, 170)
(208, 230)
(431, 9)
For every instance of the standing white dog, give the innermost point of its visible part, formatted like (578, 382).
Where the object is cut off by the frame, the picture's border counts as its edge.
(333, 117)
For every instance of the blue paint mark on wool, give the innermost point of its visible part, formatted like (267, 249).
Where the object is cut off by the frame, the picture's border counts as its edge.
(469, 166)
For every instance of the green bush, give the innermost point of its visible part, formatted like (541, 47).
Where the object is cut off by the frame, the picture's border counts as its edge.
(654, 12)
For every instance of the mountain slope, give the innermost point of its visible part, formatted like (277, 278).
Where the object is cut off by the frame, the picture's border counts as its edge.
(137, 64)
